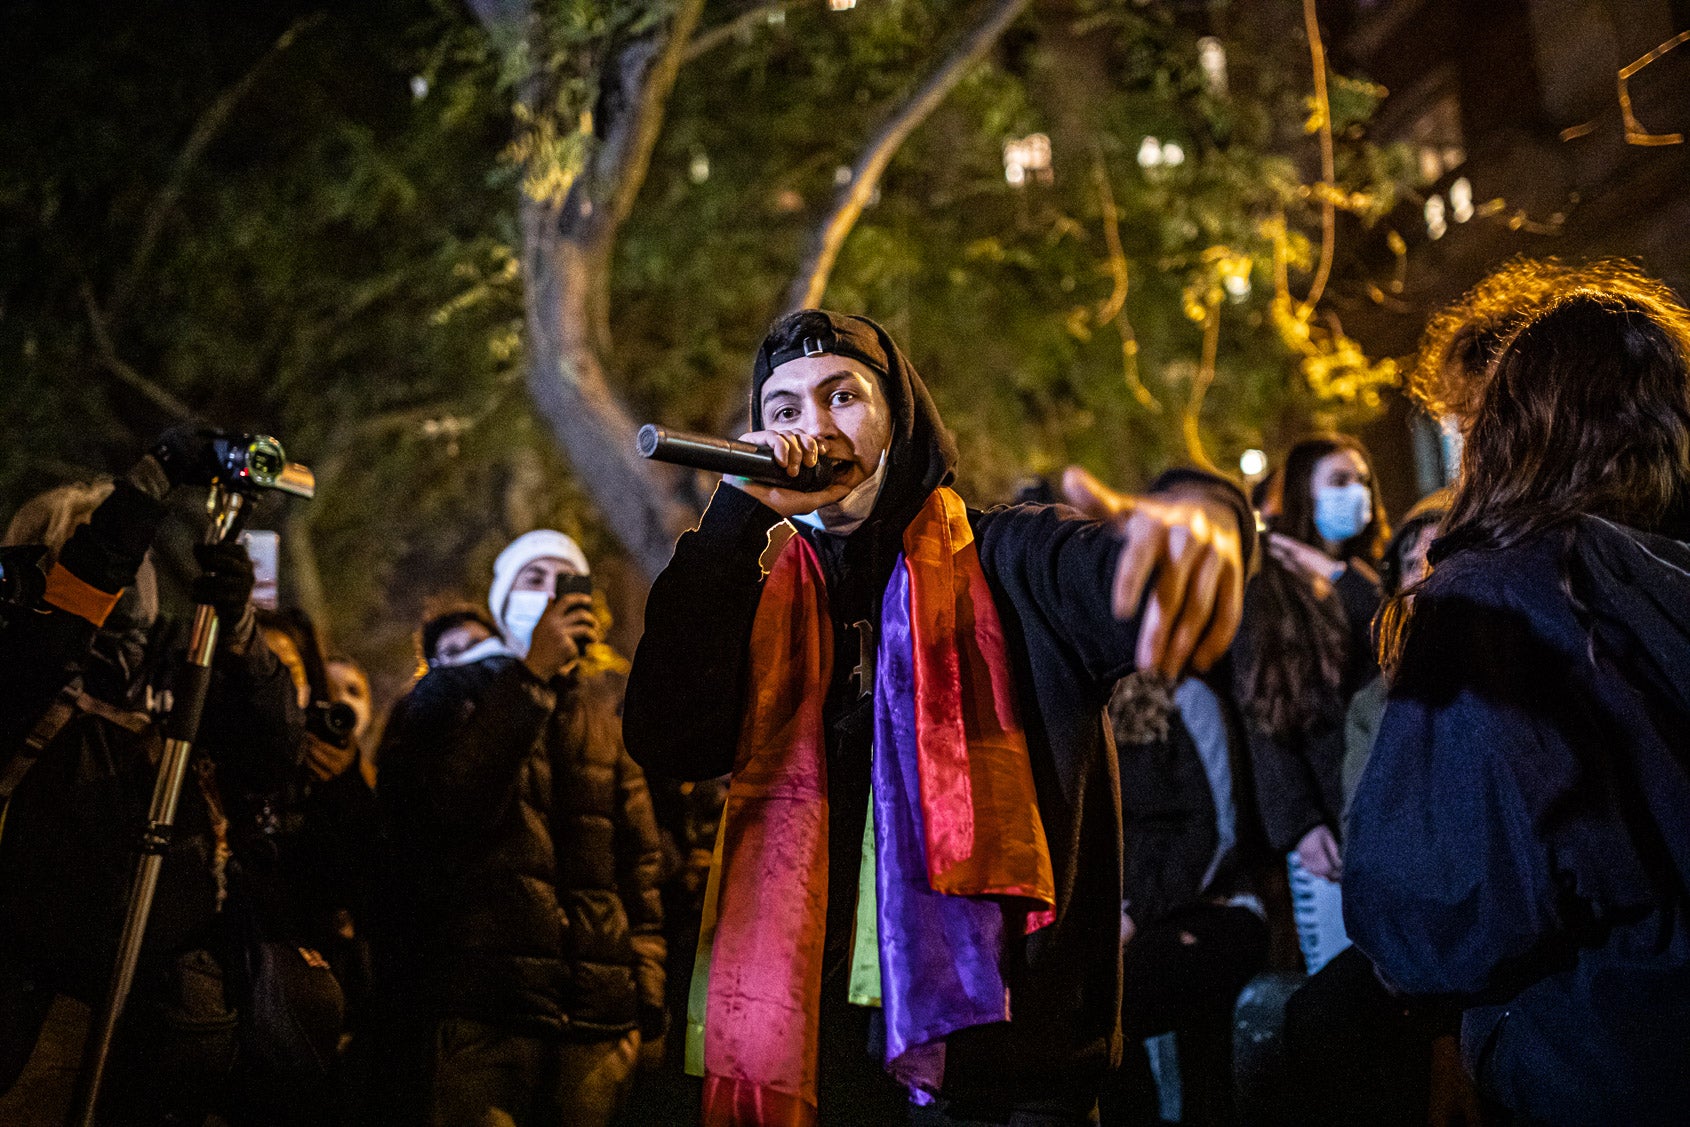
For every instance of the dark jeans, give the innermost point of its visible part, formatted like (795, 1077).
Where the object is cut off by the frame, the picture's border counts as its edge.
(1182, 976)
(853, 1089)
(1354, 1054)
(488, 1076)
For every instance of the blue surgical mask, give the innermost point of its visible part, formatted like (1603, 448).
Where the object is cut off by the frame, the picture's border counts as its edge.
(522, 613)
(1341, 512)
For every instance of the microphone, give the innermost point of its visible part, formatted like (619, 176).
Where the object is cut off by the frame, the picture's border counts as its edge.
(722, 455)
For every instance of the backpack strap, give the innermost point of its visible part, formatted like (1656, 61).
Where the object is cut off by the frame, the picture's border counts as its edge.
(52, 722)
(67, 703)
(135, 722)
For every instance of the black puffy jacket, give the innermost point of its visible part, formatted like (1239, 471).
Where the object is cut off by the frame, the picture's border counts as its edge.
(525, 855)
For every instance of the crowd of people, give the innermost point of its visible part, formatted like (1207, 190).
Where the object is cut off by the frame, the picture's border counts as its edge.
(905, 811)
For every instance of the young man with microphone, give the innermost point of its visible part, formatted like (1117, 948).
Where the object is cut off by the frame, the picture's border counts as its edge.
(919, 878)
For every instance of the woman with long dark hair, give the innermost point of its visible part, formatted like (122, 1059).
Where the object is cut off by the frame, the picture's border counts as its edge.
(1302, 651)
(1520, 842)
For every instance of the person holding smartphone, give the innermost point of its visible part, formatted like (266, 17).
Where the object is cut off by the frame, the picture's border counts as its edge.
(526, 934)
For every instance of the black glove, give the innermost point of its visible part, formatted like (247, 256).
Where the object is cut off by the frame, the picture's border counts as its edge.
(190, 455)
(225, 582)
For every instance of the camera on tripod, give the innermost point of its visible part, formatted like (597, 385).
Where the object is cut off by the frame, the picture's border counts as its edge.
(257, 461)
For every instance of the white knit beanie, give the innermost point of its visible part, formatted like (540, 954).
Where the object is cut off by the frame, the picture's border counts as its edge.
(530, 546)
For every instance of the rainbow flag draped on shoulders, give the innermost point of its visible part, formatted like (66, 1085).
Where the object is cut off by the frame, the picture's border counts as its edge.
(959, 851)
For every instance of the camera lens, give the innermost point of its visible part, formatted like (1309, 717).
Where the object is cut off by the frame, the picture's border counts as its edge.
(264, 459)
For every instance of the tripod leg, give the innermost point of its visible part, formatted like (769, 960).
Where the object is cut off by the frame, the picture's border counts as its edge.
(181, 726)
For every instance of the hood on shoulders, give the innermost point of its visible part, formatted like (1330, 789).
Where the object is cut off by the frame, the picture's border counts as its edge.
(1628, 592)
(1635, 587)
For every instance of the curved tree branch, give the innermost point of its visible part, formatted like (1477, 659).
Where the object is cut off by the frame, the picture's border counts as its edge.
(567, 247)
(646, 80)
(1114, 307)
(569, 383)
(1192, 423)
(1328, 171)
(117, 366)
(706, 41)
(206, 129)
(811, 281)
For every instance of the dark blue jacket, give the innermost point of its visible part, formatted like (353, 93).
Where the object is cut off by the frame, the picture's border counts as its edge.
(1520, 842)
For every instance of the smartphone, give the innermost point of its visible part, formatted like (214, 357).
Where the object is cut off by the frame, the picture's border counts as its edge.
(265, 550)
(569, 583)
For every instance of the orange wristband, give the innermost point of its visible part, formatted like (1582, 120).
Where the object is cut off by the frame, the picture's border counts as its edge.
(76, 596)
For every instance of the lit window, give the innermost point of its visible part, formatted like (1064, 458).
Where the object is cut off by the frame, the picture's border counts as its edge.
(1211, 56)
(1436, 226)
(1440, 147)
(1027, 158)
(1461, 199)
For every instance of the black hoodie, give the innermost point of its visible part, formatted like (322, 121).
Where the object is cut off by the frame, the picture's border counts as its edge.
(1050, 574)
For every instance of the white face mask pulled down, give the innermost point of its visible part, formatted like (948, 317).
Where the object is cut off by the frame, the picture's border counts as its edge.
(848, 513)
(522, 613)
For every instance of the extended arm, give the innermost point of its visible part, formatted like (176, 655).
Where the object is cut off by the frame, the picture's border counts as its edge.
(1151, 582)
(1187, 545)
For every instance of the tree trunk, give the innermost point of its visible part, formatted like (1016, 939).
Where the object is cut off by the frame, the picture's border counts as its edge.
(566, 256)
(304, 576)
(571, 391)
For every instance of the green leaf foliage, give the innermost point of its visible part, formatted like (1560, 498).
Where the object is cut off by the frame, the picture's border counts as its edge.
(339, 263)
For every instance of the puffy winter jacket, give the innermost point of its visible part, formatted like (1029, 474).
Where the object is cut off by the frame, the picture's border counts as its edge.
(525, 855)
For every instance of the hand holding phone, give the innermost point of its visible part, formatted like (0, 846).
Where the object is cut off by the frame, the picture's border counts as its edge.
(576, 592)
(569, 583)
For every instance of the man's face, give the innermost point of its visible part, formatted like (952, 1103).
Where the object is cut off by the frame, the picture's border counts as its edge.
(541, 575)
(837, 400)
(459, 638)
